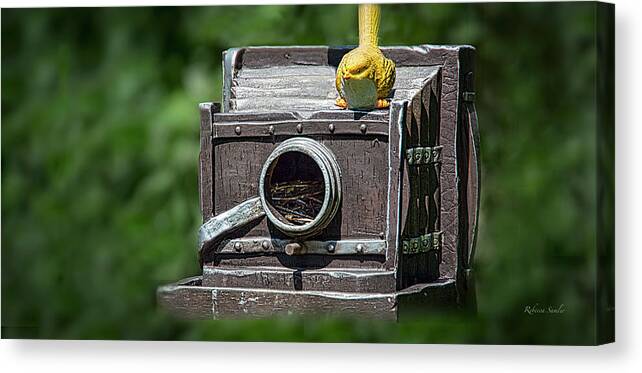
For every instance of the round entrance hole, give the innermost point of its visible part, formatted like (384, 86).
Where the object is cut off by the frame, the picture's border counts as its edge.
(295, 188)
(300, 186)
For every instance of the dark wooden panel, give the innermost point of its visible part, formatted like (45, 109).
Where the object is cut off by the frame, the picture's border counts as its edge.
(312, 72)
(300, 261)
(261, 57)
(421, 198)
(470, 162)
(449, 183)
(205, 174)
(348, 280)
(469, 169)
(239, 303)
(414, 63)
(363, 161)
(398, 112)
(421, 299)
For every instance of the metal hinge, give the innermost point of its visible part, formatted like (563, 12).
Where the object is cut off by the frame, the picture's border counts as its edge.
(423, 155)
(422, 244)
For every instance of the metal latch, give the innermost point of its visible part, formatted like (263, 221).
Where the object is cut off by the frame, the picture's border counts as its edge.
(423, 155)
(422, 244)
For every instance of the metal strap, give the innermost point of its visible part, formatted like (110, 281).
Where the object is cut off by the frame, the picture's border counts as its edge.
(422, 244)
(229, 220)
(254, 245)
(423, 155)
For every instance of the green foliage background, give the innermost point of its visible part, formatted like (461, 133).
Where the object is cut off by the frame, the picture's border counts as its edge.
(99, 165)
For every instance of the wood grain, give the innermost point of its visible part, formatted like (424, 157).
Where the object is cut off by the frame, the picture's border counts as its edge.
(271, 88)
(189, 299)
(363, 161)
(274, 93)
(350, 280)
(205, 174)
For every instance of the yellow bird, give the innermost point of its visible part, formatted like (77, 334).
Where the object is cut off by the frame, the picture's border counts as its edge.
(365, 76)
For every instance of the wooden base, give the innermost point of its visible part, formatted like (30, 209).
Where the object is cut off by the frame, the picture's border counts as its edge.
(190, 299)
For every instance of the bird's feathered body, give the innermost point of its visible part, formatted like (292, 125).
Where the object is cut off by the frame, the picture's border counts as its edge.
(365, 76)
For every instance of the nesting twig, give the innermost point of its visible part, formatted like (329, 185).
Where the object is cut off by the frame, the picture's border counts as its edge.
(299, 201)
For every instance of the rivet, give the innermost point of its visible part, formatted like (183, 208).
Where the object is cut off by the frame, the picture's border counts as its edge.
(360, 248)
(238, 246)
(331, 127)
(382, 235)
(299, 128)
(271, 130)
(265, 245)
(237, 130)
(363, 128)
(330, 248)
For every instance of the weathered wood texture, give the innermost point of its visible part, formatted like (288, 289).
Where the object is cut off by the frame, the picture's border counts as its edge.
(231, 302)
(364, 165)
(271, 94)
(449, 183)
(350, 280)
(469, 168)
(205, 174)
(398, 111)
(186, 299)
(273, 69)
(271, 88)
(190, 298)
(422, 197)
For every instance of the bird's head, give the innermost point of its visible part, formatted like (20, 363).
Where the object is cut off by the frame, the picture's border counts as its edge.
(357, 66)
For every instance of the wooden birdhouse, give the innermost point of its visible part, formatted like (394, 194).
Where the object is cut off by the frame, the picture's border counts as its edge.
(311, 209)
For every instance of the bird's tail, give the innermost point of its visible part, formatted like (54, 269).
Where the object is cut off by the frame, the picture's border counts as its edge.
(369, 24)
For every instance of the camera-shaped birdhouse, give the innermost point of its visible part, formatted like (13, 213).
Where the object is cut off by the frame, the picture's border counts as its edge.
(308, 208)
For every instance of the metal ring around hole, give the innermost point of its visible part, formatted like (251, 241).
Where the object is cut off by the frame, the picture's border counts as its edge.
(329, 167)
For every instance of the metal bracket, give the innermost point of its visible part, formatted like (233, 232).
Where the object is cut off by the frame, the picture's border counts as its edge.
(268, 245)
(468, 96)
(422, 244)
(423, 155)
